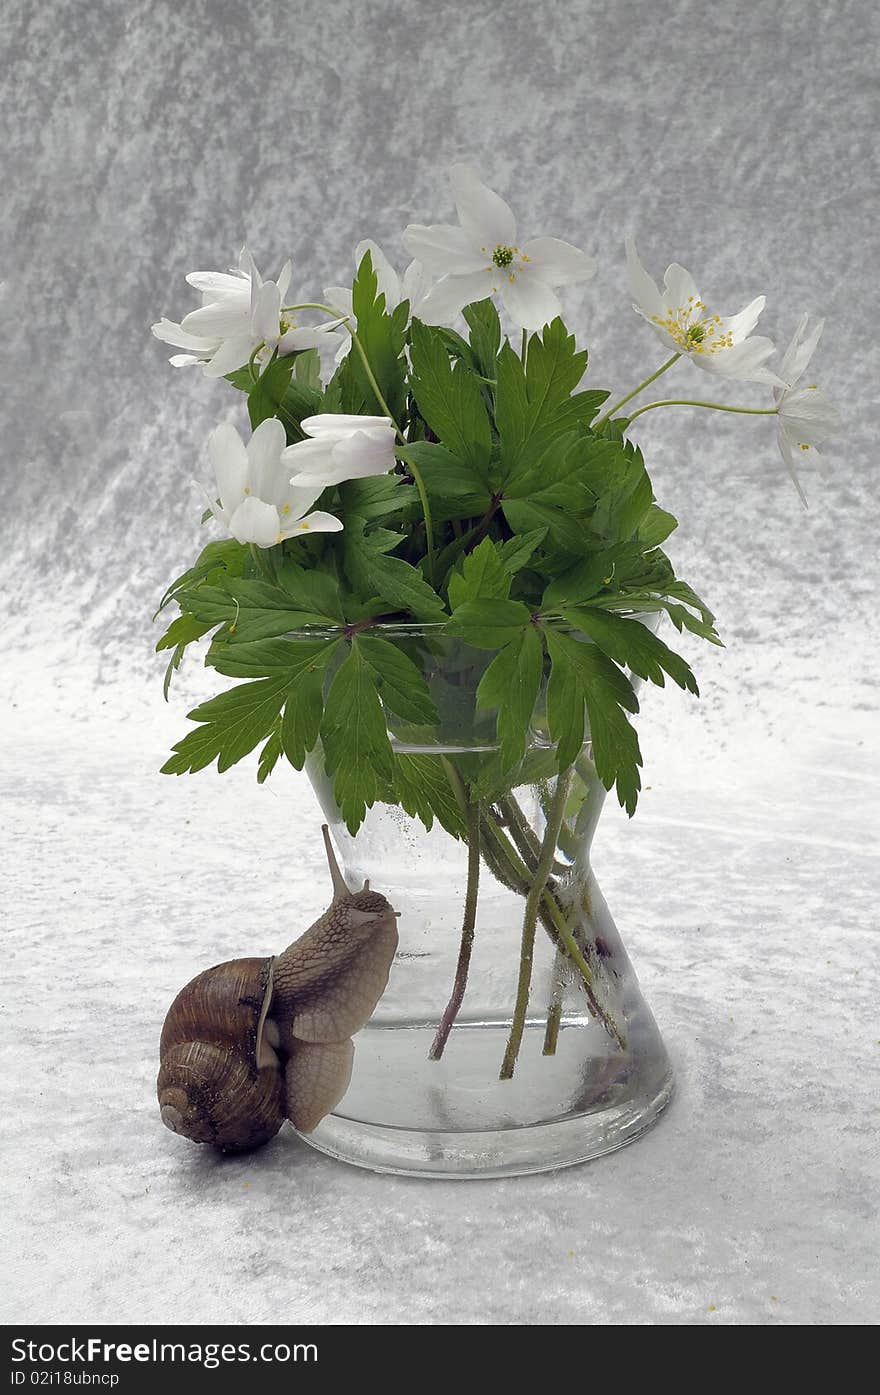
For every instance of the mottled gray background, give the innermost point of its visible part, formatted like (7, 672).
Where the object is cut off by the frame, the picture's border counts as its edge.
(146, 141)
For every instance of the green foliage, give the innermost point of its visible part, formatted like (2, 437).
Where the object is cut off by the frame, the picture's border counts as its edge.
(382, 337)
(485, 336)
(231, 725)
(391, 580)
(511, 684)
(449, 399)
(357, 752)
(546, 551)
(585, 677)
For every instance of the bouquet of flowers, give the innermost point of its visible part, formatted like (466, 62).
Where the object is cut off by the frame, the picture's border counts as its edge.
(450, 491)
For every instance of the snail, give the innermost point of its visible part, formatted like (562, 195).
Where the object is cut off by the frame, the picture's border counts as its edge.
(252, 1042)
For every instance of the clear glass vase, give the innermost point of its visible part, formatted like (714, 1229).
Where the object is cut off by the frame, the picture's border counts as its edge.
(546, 1055)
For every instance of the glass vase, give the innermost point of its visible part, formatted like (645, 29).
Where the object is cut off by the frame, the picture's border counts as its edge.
(513, 1036)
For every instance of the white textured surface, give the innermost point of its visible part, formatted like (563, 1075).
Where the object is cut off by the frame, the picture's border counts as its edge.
(139, 143)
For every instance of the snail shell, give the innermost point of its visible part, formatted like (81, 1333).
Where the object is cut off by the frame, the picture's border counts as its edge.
(219, 1081)
(253, 1041)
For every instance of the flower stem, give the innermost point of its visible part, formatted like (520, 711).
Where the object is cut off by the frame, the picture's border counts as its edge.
(502, 860)
(530, 921)
(554, 1010)
(467, 934)
(606, 416)
(713, 406)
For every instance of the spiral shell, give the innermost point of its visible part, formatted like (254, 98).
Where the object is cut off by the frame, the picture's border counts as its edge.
(219, 1080)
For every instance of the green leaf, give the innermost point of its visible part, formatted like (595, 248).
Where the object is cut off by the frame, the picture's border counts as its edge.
(447, 477)
(312, 590)
(223, 557)
(517, 551)
(582, 581)
(450, 400)
(421, 788)
(250, 610)
(656, 526)
(269, 756)
(307, 370)
(565, 704)
(382, 337)
(266, 396)
(230, 727)
(489, 624)
(561, 525)
(357, 752)
(182, 631)
(534, 403)
(608, 696)
(485, 328)
(480, 575)
(629, 642)
(377, 496)
(304, 704)
(374, 574)
(268, 658)
(401, 684)
(511, 683)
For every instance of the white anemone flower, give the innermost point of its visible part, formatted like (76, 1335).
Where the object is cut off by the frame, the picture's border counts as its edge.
(257, 503)
(804, 418)
(482, 257)
(413, 286)
(241, 314)
(341, 448)
(678, 314)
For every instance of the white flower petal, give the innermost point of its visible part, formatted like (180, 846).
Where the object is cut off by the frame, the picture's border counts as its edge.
(248, 267)
(744, 362)
(449, 295)
(483, 214)
(218, 320)
(307, 459)
(227, 453)
(255, 522)
(309, 337)
(416, 284)
(184, 360)
(233, 353)
(284, 276)
(529, 302)
(388, 281)
(267, 474)
(680, 289)
(741, 325)
(170, 333)
(216, 285)
(787, 454)
(558, 263)
(799, 352)
(266, 314)
(808, 417)
(647, 299)
(339, 299)
(444, 248)
(316, 522)
(341, 424)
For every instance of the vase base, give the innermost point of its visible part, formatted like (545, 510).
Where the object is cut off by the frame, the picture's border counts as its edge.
(507, 1152)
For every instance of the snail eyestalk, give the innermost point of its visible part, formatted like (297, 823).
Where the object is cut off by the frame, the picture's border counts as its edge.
(340, 886)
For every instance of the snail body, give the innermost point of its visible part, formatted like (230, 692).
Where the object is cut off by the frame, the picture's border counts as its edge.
(252, 1042)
